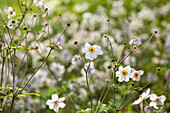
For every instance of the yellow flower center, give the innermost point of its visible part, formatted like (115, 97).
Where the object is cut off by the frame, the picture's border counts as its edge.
(11, 12)
(140, 96)
(124, 72)
(136, 75)
(91, 49)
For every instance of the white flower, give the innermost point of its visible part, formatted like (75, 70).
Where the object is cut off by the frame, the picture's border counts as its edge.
(40, 4)
(75, 59)
(57, 68)
(0, 11)
(17, 31)
(135, 75)
(142, 97)
(135, 41)
(10, 12)
(59, 46)
(156, 100)
(91, 51)
(123, 73)
(55, 103)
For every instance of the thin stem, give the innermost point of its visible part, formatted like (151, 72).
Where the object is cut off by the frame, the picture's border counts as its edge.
(89, 87)
(138, 90)
(124, 96)
(19, 5)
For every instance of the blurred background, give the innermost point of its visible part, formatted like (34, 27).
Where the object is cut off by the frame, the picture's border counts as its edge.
(88, 19)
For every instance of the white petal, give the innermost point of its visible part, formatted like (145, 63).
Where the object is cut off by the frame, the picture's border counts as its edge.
(128, 69)
(49, 102)
(120, 68)
(147, 93)
(137, 101)
(163, 98)
(10, 9)
(152, 104)
(99, 52)
(153, 97)
(14, 14)
(118, 73)
(85, 50)
(131, 41)
(126, 79)
(6, 11)
(87, 45)
(61, 99)
(51, 106)
(120, 79)
(141, 72)
(97, 47)
(62, 105)
(54, 97)
(56, 108)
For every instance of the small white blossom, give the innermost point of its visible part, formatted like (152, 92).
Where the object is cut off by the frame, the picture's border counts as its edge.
(135, 41)
(0, 11)
(123, 73)
(59, 46)
(156, 100)
(55, 103)
(142, 97)
(135, 75)
(91, 51)
(40, 4)
(57, 68)
(75, 59)
(17, 31)
(10, 12)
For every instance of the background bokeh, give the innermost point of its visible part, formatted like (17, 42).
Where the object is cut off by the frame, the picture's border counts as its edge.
(88, 19)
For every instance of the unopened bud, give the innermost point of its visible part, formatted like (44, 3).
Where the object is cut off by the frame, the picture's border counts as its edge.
(75, 42)
(132, 84)
(134, 47)
(158, 68)
(25, 27)
(13, 22)
(109, 66)
(68, 24)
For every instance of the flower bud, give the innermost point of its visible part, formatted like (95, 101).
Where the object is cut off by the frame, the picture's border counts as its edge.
(25, 28)
(132, 84)
(109, 66)
(13, 22)
(75, 42)
(158, 68)
(68, 24)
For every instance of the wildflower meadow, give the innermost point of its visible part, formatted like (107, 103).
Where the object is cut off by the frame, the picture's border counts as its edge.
(84, 56)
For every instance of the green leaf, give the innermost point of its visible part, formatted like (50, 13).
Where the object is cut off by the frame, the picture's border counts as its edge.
(36, 94)
(13, 44)
(20, 49)
(88, 110)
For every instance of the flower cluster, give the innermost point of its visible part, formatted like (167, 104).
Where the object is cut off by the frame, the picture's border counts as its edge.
(125, 73)
(155, 100)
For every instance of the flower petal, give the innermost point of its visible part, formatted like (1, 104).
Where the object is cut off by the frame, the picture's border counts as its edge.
(49, 102)
(61, 99)
(61, 105)
(54, 97)
(153, 97)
